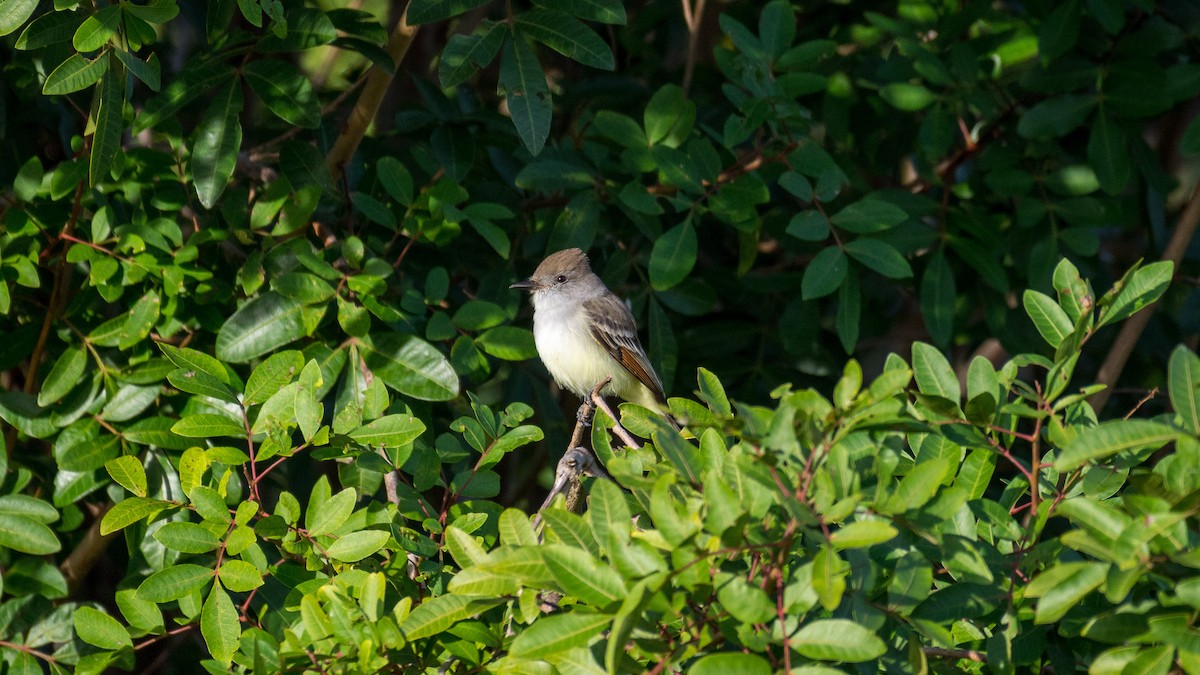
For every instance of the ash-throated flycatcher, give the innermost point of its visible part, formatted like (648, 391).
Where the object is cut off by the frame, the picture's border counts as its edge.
(585, 333)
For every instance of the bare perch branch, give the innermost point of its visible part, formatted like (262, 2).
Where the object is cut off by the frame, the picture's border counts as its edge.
(1132, 329)
(372, 96)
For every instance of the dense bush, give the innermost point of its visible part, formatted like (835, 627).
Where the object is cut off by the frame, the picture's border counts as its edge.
(270, 405)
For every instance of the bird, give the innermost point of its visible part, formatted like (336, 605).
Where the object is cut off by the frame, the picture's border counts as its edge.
(584, 333)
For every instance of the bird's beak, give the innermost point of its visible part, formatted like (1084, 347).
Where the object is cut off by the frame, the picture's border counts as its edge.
(526, 285)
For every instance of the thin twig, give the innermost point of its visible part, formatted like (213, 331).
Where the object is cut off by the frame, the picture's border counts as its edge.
(85, 554)
(693, 19)
(1132, 329)
(617, 428)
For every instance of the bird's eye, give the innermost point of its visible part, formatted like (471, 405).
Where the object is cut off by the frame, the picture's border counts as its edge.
(562, 278)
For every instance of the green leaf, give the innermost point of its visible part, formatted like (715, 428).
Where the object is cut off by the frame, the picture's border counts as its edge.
(187, 537)
(464, 55)
(583, 576)
(933, 373)
(147, 71)
(1050, 320)
(390, 431)
(218, 139)
(64, 375)
(106, 140)
(208, 425)
(869, 215)
(824, 274)
(1112, 437)
(412, 367)
(196, 79)
(837, 640)
(129, 511)
(527, 93)
(603, 11)
(880, 257)
(304, 165)
(239, 576)
(673, 256)
(129, 473)
(219, 625)
(1183, 386)
(14, 13)
(74, 74)
(396, 179)
(862, 534)
(567, 36)
(325, 516)
(809, 226)
(557, 633)
(1141, 288)
(26, 535)
(357, 545)
(428, 11)
(142, 318)
(724, 663)
(668, 116)
(99, 629)
(1055, 117)
(938, 296)
(97, 29)
(746, 602)
(174, 582)
(190, 359)
(261, 325)
(285, 91)
(271, 375)
(849, 312)
(1108, 154)
(1062, 587)
(1060, 31)
(48, 29)
(435, 615)
(907, 97)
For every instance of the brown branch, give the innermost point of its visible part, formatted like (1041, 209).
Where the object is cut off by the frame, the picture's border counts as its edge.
(371, 98)
(85, 554)
(617, 428)
(1132, 329)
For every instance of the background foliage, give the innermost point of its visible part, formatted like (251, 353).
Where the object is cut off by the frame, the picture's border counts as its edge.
(263, 376)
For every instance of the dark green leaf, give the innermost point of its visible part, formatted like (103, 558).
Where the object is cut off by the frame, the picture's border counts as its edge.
(304, 165)
(567, 36)
(412, 367)
(261, 325)
(147, 71)
(48, 29)
(1055, 117)
(1108, 154)
(938, 296)
(464, 55)
(603, 11)
(869, 215)
(428, 11)
(880, 257)
(673, 256)
(218, 139)
(824, 274)
(527, 94)
(285, 91)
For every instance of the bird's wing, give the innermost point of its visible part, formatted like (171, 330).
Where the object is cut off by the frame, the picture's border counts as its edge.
(613, 327)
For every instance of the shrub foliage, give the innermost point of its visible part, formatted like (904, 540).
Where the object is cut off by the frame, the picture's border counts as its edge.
(270, 405)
